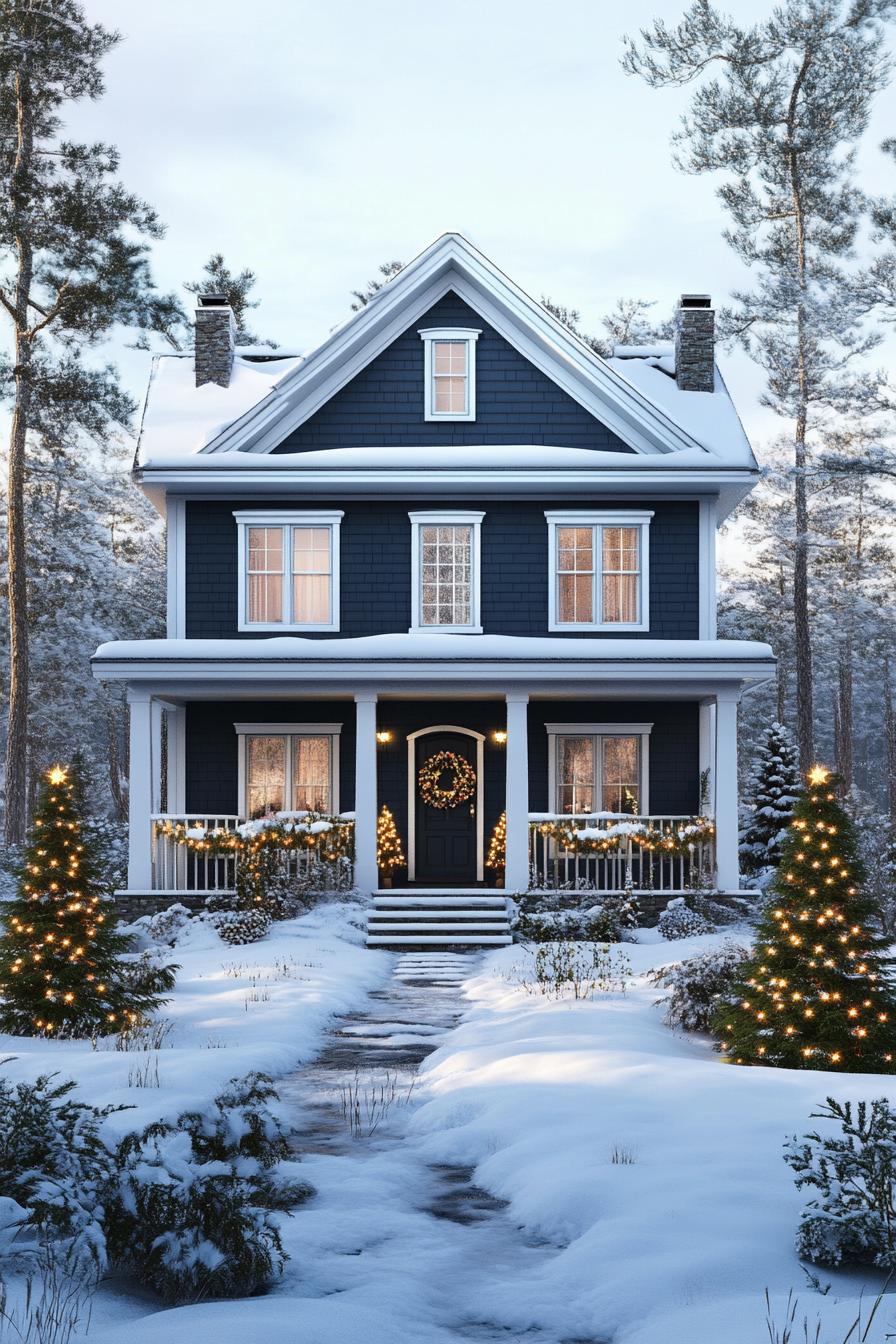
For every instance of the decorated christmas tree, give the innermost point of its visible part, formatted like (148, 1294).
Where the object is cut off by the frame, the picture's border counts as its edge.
(497, 845)
(817, 992)
(389, 853)
(774, 786)
(61, 967)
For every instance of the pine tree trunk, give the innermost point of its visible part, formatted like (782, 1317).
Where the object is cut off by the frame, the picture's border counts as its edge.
(845, 715)
(17, 591)
(802, 631)
(890, 733)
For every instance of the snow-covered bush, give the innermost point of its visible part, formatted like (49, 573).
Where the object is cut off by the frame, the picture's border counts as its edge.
(678, 920)
(169, 925)
(546, 917)
(576, 970)
(194, 1214)
(853, 1217)
(55, 1172)
(111, 841)
(241, 926)
(699, 984)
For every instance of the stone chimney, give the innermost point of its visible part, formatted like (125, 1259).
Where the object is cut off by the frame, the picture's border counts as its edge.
(215, 339)
(695, 344)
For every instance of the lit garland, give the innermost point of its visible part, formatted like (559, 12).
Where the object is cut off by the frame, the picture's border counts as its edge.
(817, 992)
(671, 839)
(429, 780)
(331, 837)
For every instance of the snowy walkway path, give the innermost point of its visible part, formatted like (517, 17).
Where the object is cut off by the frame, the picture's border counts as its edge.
(391, 1246)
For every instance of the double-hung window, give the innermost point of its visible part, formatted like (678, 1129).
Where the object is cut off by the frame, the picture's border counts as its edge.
(449, 373)
(445, 571)
(288, 571)
(598, 768)
(598, 571)
(288, 767)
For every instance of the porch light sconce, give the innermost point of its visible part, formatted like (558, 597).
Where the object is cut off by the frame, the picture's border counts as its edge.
(384, 737)
(499, 737)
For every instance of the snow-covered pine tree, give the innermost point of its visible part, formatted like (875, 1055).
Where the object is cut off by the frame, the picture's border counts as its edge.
(69, 275)
(237, 286)
(778, 109)
(774, 788)
(61, 967)
(817, 991)
(385, 272)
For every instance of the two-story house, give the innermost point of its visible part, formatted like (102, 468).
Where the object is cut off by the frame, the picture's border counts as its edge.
(450, 530)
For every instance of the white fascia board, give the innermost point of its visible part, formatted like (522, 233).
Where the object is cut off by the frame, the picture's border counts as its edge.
(236, 673)
(451, 264)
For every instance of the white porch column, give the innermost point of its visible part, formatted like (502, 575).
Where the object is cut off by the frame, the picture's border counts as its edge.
(177, 801)
(156, 712)
(140, 791)
(366, 876)
(707, 761)
(516, 869)
(727, 861)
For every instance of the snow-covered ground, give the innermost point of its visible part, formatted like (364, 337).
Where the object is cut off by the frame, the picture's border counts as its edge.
(674, 1244)
(678, 1245)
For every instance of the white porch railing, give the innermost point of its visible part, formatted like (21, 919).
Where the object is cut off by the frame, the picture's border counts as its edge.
(552, 866)
(178, 868)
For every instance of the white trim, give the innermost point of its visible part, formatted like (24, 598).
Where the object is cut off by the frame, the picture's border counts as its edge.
(641, 730)
(454, 518)
(707, 569)
(466, 336)
(177, 758)
(412, 793)
(516, 792)
(287, 519)
(176, 575)
(598, 520)
(726, 801)
(452, 263)
(287, 730)
(366, 791)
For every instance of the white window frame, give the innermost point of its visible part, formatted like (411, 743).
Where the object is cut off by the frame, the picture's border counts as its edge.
(286, 520)
(641, 730)
(598, 521)
(468, 336)
(464, 518)
(287, 730)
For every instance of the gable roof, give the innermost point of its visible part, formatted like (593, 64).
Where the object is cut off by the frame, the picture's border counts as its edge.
(266, 401)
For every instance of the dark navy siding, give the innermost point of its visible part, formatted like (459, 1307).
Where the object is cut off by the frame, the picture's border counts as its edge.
(211, 764)
(515, 401)
(674, 766)
(376, 566)
(212, 769)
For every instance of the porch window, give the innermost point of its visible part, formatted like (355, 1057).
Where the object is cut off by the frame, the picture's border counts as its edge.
(598, 571)
(598, 769)
(288, 768)
(288, 571)
(445, 574)
(449, 373)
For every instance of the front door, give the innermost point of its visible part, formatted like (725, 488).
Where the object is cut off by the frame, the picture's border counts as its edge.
(445, 835)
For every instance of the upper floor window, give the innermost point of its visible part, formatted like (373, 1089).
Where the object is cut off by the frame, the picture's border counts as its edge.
(445, 571)
(449, 361)
(598, 571)
(288, 767)
(288, 571)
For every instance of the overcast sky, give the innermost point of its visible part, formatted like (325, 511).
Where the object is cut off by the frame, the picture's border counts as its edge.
(313, 139)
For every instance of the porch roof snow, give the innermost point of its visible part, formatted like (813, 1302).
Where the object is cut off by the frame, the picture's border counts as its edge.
(426, 647)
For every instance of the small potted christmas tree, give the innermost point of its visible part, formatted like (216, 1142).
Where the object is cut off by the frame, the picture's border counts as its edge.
(61, 967)
(817, 992)
(497, 850)
(389, 853)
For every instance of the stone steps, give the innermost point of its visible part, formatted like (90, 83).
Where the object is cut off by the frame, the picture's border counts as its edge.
(438, 920)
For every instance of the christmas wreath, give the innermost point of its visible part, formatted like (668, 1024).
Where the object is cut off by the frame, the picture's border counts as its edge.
(432, 771)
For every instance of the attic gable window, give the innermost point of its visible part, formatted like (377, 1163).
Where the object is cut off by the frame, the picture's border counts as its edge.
(449, 377)
(288, 571)
(599, 571)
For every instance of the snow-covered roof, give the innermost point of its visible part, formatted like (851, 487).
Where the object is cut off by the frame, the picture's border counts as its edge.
(632, 392)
